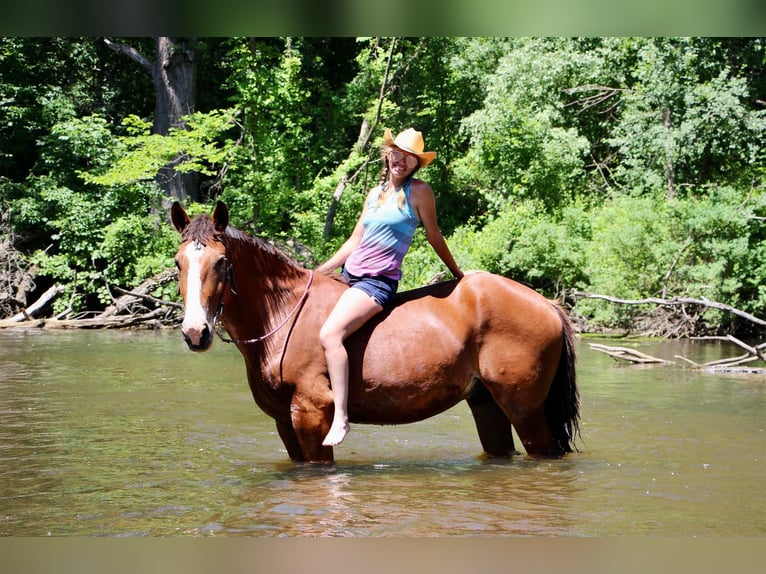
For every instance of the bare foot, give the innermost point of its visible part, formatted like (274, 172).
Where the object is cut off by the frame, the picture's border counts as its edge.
(337, 434)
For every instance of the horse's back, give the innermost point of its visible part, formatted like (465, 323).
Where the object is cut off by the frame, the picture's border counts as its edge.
(482, 301)
(438, 338)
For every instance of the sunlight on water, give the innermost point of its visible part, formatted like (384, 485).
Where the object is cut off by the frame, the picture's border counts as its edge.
(130, 434)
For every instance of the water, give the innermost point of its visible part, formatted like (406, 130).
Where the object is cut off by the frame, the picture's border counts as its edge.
(106, 433)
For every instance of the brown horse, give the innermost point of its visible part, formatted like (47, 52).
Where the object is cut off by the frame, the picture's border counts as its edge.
(501, 346)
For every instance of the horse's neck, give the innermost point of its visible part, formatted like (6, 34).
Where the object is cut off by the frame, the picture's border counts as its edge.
(264, 287)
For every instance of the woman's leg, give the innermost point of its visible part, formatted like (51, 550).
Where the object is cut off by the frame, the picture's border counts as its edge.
(353, 309)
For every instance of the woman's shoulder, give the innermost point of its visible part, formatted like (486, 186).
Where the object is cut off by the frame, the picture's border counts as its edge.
(419, 188)
(374, 191)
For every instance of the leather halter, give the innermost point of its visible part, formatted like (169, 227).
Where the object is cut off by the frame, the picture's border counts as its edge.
(262, 338)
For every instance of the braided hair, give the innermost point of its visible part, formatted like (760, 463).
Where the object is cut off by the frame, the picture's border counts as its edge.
(384, 176)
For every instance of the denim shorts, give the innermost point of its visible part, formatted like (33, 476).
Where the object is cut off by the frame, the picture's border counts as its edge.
(380, 288)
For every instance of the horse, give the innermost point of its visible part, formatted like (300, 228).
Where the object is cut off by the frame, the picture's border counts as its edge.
(486, 339)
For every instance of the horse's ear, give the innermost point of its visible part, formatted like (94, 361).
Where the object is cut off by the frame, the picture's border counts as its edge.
(178, 217)
(221, 217)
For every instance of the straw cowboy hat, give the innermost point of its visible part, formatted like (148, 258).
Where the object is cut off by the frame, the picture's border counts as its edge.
(411, 141)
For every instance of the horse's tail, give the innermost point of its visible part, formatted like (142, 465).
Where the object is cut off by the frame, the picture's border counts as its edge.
(562, 405)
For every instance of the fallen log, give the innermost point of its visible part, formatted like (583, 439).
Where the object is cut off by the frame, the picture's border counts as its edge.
(142, 293)
(729, 365)
(757, 351)
(732, 364)
(153, 319)
(100, 322)
(627, 354)
(29, 312)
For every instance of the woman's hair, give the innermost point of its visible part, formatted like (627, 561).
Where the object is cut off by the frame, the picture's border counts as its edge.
(384, 173)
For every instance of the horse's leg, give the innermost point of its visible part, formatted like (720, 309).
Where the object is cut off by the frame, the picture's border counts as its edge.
(290, 440)
(492, 424)
(520, 383)
(310, 425)
(527, 415)
(520, 394)
(535, 434)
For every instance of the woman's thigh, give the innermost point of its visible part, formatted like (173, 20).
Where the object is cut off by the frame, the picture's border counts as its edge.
(353, 309)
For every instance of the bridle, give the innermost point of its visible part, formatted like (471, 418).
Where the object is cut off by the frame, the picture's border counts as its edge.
(228, 282)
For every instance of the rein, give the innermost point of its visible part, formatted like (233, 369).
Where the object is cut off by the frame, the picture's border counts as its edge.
(262, 338)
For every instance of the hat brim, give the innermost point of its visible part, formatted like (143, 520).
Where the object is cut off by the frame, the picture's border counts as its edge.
(424, 158)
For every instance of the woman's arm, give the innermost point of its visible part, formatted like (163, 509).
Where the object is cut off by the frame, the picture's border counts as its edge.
(340, 256)
(424, 204)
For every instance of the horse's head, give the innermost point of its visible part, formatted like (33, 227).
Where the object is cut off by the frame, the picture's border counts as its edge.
(202, 272)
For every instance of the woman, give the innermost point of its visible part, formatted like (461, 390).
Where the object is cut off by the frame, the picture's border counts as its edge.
(372, 257)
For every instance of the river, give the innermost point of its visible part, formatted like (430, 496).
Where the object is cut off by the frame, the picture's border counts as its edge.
(124, 433)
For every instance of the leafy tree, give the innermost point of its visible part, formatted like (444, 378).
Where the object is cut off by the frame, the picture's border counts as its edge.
(200, 146)
(519, 138)
(80, 224)
(289, 131)
(685, 120)
(631, 166)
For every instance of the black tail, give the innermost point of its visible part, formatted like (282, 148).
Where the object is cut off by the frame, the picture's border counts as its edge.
(562, 405)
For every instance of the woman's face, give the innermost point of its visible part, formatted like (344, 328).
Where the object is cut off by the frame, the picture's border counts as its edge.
(401, 163)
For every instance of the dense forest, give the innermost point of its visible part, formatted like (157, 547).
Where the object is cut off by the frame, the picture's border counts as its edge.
(632, 168)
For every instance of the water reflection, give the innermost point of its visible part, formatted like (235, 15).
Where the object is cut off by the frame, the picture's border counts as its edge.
(128, 434)
(470, 497)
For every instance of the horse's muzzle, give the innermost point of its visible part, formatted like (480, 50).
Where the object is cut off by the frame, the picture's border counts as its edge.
(198, 340)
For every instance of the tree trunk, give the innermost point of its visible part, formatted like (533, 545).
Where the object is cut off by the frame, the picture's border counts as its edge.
(175, 82)
(670, 174)
(174, 73)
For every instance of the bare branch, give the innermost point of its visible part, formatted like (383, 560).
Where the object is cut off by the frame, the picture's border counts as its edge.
(674, 301)
(131, 53)
(149, 298)
(600, 94)
(141, 293)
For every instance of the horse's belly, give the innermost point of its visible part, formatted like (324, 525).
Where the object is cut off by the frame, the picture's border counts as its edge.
(406, 382)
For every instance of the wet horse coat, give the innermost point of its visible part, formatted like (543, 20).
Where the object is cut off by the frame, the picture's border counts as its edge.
(495, 343)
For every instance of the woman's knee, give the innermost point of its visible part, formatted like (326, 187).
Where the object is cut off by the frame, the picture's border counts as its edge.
(330, 337)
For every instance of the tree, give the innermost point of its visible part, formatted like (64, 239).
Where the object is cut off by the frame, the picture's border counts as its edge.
(174, 75)
(687, 117)
(521, 139)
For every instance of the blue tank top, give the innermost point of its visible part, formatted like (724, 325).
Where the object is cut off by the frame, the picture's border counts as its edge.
(387, 236)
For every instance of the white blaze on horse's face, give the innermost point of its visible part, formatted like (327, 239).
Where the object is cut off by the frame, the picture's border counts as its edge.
(199, 283)
(195, 315)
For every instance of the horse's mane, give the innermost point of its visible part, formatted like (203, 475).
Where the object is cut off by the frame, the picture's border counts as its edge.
(267, 258)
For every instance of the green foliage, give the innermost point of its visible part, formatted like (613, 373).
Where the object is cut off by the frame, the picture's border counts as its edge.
(74, 146)
(627, 257)
(708, 246)
(519, 137)
(687, 120)
(45, 81)
(522, 243)
(628, 166)
(280, 109)
(140, 154)
(135, 247)
(95, 243)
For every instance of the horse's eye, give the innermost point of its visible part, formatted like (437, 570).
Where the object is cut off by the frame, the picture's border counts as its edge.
(220, 265)
(178, 264)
